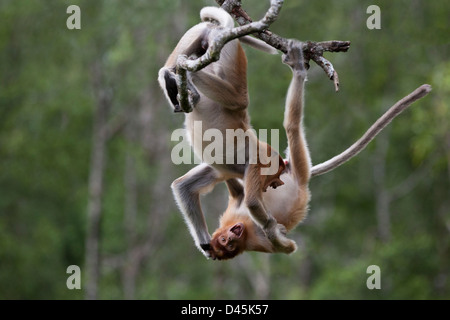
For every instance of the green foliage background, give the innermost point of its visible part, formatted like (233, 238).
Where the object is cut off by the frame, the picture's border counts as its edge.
(47, 106)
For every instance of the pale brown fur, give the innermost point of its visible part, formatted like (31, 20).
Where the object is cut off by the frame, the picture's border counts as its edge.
(288, 204)
(222, 105)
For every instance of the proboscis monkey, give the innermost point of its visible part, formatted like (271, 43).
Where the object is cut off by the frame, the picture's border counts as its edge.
(238, 232)
(222, 105)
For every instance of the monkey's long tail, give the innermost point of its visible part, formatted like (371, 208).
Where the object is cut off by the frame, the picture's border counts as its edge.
(370, 134)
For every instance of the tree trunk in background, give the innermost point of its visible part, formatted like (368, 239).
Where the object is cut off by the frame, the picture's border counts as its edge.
(382, 198)
(96, 176)
(140, 132)
(257, 270)
(130, 267)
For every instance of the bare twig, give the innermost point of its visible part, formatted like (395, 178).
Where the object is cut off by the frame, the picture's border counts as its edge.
(187, 95)
(370, 134)
(311, 50)
(223, 36)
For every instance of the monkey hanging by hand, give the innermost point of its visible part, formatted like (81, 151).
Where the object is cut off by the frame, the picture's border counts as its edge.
(254, 220)
(221, 105)
(238, 232)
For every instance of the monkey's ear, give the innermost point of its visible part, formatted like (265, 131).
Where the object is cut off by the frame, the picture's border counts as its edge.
(235, 188)
(238, 229)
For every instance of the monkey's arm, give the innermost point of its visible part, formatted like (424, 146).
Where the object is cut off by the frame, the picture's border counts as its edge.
(235, 189)
(275, 232)
(299, 158)
(187, 190)
(300, 162)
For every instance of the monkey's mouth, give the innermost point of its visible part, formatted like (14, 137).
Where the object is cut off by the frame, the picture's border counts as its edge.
(237, 229)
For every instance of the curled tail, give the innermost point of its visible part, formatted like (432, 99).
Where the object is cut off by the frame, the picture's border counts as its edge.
(219, 15)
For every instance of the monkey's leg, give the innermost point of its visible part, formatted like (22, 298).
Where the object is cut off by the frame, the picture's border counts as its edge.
(230, 96)
(275, 232)
(235, 188)
(226, 81)
(299, 158)
(187, 190)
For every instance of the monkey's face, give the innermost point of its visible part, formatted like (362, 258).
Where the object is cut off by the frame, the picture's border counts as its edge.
(227, 242)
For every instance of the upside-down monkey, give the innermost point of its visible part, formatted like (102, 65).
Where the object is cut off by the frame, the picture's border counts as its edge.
(288, 204)
(257, 218)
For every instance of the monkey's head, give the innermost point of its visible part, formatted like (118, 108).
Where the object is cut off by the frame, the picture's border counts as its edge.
(228, 241)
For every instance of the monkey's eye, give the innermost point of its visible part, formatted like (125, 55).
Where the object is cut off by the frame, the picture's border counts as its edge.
(223, 239)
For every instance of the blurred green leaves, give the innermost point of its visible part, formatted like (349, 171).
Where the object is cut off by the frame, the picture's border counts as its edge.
(47, 100)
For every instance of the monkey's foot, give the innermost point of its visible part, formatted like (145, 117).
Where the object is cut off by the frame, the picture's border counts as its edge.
(277, 235)
(274, 180)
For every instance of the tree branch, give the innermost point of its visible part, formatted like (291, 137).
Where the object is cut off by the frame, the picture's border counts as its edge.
(223, 36)
(187, 95)
(370, 134)
(311, 50)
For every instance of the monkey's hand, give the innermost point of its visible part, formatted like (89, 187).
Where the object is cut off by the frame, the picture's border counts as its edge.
(277, 235)
(294, 57)
(208, 251)
(188, 95)
(274, 180)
